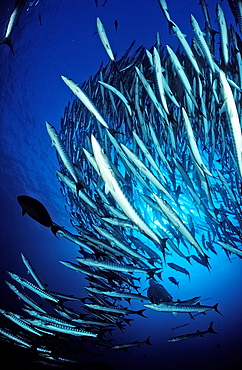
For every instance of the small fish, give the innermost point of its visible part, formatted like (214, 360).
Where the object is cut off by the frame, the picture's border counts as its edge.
(179, 326)
(174, 281)
(36, 210)
(198, 333)
(116, 25)
(40, 20)
(125, 346)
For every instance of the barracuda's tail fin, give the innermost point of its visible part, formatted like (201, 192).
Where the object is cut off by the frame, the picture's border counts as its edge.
(7, 41)
(210, 328)
(216, 309)
(147, 341)
(140, 313)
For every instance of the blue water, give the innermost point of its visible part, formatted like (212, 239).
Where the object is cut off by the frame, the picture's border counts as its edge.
(57, 38)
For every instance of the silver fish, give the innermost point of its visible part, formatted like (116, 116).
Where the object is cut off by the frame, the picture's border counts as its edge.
(104, 39)
(19, 6)
(84, 99)
(27, 284)
(175, 308)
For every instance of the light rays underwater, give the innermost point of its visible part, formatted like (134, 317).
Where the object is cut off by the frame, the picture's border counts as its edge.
(150, 168)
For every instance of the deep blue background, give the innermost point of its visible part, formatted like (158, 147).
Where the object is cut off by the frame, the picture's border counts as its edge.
(32, 92)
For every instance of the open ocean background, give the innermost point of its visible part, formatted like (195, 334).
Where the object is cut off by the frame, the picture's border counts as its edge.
(57, 38)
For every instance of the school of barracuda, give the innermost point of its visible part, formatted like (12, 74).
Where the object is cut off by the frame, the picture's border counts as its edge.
(150, 167)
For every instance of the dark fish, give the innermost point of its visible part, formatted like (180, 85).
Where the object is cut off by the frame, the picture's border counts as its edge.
(179, 326)
(116, 25)
(174, 281)
(125, 346)
(40, 20)
(203, 261)
(179, 268)
(37, 211)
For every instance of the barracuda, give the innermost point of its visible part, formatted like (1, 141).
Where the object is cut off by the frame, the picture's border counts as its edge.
(147, 155)
(224, 40)
(115, 190)
(182, 75)
(233, 119)
(230, 248)
(123, 246)
(115, 266)
(104, 39)
(186, 47)
(74, 239)
(27, 284)
(175, 308)
(32, 272)
(72, 186)
(202, 43)
(193, 144)
(177, 222)
(150, 92)
(118, 294)
(198, 333)
(65, 329)
(39, 318)
(83, 270)
(15, 338)
(13, 21)
(84, 99)
(120, 222)
(17, 319)
(141, 166)
(115, 309)
(61, 149)
(30, 302)
(119, 94)
(159, 79)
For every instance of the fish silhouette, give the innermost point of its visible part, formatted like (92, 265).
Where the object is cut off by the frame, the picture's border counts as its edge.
(36, 210)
